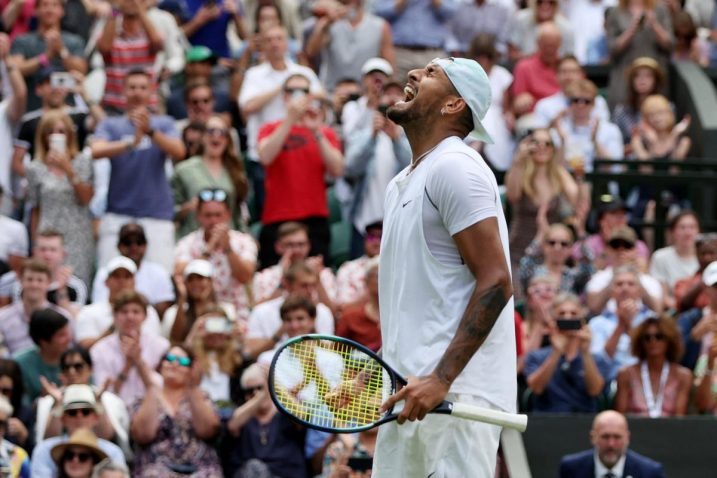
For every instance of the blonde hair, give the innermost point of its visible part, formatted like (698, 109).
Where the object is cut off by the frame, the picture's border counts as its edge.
(582, 86)
(48, 121)
(233, 163)
(228, 358)
(553, 166)
(657, 103)
(560, 227)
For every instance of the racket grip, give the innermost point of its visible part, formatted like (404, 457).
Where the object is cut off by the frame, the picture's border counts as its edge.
(494, 417)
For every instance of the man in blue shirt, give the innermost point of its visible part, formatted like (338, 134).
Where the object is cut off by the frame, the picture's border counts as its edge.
(408, 18)
(138, 144)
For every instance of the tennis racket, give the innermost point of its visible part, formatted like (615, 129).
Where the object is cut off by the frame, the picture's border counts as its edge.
(336, 385)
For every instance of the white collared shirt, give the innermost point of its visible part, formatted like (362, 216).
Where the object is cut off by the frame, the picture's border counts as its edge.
(601, 470)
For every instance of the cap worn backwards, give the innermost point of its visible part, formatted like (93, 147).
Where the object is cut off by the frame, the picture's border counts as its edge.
(471, 82)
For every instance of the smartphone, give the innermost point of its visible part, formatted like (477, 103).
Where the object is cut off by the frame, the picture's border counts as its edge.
(642, 20)
(61, 79)
(360, 463)
(568, 324)
(297, 94)
(217, 325)
(382, 108)
(353, 97)
(58, 142)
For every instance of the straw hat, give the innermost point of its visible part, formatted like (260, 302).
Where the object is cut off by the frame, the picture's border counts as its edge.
(82, 437)
(650, 64)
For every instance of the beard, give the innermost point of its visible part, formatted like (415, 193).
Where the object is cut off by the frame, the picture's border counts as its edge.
(403, 114)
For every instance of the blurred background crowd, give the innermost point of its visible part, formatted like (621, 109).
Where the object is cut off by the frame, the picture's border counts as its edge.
(185, 184)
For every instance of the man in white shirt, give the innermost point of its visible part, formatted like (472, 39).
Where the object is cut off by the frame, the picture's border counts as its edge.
(94, 321)
(151, 279)
(13, 241)
(261, 97)
(445, 289)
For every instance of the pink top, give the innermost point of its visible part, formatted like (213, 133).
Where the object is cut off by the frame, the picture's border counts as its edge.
(637, 404)
(535, 77)
(22, 22)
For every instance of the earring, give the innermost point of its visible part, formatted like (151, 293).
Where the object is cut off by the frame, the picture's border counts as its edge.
(443, 111)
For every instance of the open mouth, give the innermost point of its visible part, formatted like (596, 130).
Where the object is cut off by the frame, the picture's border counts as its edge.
(409, 93)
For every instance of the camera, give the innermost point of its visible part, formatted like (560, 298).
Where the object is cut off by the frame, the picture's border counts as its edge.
(62, 79)
(568, 324)
(360, 462)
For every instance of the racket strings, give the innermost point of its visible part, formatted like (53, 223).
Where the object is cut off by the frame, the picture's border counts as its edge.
(331, 384)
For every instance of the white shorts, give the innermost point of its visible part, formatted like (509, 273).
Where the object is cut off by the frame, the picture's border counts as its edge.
(439, 446)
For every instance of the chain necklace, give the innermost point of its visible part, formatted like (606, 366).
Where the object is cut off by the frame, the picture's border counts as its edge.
(415, 163)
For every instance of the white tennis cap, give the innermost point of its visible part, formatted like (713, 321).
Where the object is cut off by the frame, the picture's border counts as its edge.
(121, 262)
(471, 82)
(377, 64)
(200, 267)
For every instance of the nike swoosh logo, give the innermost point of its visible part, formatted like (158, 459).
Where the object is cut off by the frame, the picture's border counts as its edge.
(404, 205)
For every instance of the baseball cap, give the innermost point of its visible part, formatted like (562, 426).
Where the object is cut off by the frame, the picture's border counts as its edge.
(377, 64)
(200, 267)
(121, 262)
(709, 276)
(471, 82)
(46, 72)
(78, 396)
(200, 53)
(624, 233)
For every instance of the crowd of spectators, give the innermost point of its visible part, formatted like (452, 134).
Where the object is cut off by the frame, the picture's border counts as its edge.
(185, 184)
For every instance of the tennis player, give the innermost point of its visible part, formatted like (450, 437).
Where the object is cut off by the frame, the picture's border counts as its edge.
(445, 287)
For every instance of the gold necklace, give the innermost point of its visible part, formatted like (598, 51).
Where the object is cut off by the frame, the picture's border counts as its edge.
(414, 164)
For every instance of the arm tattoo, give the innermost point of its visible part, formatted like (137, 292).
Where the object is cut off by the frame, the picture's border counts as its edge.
(481, 314)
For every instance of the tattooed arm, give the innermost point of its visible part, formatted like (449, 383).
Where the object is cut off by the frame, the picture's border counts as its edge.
(481, 249)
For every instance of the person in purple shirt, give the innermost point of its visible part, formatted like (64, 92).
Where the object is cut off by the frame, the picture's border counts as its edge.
(138, 144)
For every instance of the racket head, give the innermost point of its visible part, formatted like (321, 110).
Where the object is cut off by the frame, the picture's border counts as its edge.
(331, 383)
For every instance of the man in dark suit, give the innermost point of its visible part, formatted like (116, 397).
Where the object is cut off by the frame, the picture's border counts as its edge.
(610, 458)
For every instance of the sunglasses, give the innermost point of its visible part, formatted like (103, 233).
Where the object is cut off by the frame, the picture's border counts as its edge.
(292, 91)
(132, 242)
(183, 361)
(81, 456)
(545, 144)
(207, 195)
(78, 366)
(659, 336)
(549, 2)
(553, 243)
(200, 101)
(252, 390)
(216, 131)
(620, 244)
(581, 101)
(85, 412)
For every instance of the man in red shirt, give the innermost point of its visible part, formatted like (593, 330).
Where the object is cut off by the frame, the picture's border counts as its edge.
(536, 75)
(296, 153)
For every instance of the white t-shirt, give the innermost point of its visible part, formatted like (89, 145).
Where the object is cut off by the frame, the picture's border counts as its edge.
(668, 267)
(261, 79)
(13, 239)
(425, 288)
(93, 320)
(602, 279)
(579, 140)
(265, 320)
(151, 280)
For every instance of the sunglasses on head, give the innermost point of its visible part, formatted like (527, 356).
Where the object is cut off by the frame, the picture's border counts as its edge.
(581, 101)
(85, 412)
(77, 366)
(620, 244)
(82, 456)
(206, 195)
(183, 361)
(659, 336)
(553, 243)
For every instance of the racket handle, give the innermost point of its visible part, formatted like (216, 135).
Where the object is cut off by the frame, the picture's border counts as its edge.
(494, 417)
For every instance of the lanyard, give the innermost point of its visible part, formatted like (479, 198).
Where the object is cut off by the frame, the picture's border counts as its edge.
(654, 407)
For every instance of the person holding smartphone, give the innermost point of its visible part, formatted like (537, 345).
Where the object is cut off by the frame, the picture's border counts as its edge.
(565, 376)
